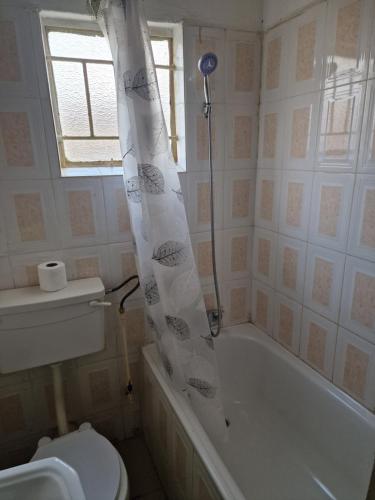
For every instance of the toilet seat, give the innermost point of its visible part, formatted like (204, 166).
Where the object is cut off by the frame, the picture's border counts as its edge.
(96, 461)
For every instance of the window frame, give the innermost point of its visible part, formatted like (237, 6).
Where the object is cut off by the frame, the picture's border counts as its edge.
(90, 28)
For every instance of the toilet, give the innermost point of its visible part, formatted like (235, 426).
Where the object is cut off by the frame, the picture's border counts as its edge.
(40, 328)
(99, 466)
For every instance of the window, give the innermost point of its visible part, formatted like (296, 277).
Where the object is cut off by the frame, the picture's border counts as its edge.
(83, 94)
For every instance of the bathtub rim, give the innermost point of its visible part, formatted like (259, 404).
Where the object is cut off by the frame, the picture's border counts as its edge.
(201, 442)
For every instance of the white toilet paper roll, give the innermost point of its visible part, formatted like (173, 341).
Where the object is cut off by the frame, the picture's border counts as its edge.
(52, 276)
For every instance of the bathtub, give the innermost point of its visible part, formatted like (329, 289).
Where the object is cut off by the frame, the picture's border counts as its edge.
(292, 435)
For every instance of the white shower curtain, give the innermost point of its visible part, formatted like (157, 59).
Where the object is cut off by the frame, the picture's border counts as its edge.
(165, 262)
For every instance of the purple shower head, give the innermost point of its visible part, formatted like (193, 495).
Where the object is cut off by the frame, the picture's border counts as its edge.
(207, 63)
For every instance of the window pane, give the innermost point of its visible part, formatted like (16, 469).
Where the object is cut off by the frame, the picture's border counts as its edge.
(63, 44)
(103, 98)
(92, 150)
(163, 81)
(160, 49)
(71, 98)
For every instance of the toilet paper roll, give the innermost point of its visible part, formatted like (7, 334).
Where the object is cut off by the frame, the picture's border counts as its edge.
(52, 276)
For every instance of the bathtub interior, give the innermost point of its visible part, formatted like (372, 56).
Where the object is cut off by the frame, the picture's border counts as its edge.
(292, 434)
(295, 422)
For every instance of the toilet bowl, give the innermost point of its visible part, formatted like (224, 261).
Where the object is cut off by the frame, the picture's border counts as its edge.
(98, 464)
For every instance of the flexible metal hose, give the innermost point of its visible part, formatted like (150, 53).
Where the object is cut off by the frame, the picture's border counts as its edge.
(207, 114)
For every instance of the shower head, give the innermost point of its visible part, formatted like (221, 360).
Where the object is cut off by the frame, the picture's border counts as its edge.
(207, 63)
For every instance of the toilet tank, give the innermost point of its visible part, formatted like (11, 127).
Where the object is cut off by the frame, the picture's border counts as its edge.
(39, 328)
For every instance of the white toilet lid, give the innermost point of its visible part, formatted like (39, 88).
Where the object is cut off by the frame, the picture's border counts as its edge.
(93, 457)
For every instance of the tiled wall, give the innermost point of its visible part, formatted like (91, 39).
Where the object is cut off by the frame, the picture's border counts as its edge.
(84, 221)
(235, 86)
(314, 237)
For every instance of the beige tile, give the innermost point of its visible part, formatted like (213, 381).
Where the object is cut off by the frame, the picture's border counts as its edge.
(29, 214)
(240, 198)
(262, 309)
(347, 32)
(87, 267)
(15, 131)
(12, 418)
(244, 67)
(9, 63)
(238, 304)
(300, 132)
(294, 204)
(203, 200)
(368, 219)
(363, 301)
(290, 268)
(273, 63)
(123, 219)
(81, 214)
(202, 138)
(316, 346)
(242, 139)
(355, 370)
(306, 51)
(338, 127)
(330, 204)
(239, 253)
(204, 259)
(286, 325)
(266, 199)
(322, 282)
(270, 135)
(264, 256)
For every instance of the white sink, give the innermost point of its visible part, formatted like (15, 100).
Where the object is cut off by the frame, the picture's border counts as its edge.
(47, 479)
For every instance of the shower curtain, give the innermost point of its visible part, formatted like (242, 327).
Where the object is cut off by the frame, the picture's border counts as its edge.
(165, 262)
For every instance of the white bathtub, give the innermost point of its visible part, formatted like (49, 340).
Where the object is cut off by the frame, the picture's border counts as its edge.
(292, 434)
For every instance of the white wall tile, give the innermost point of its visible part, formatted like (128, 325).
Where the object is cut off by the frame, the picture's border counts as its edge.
(362, 225)
(354, 369)
(6, 278)
(80, 205)
(239, 198)
(197, 41)
(366, 163)
(236, 301)
(241, 134)
(242, 67)
(19, 78)
(237, 250)
(197, 137)
(23, 153)
(295, 204)
(264, 256)
(290, 268)
(271, 135)
(330, 209)
(357, 311)
(116, 207)
(88, 262)
(305, 51)
(198, 207)
(30, 215)
(262, 300)
(339, 128)
(267, 199)
(287, 322)
(323, 282)
(300, 123)
(318, 340)
(274, 65)
(347, 41)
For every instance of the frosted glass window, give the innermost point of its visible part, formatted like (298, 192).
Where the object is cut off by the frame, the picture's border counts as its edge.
(164, 89)
(71, 98)
(160, 49)
(78, 46)
(84, 95)
(103, 99)
(91, 151)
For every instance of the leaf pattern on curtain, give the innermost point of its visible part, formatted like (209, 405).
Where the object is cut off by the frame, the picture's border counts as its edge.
(175, 310)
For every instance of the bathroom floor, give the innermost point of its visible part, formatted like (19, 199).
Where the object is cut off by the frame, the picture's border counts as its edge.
(144, 481)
